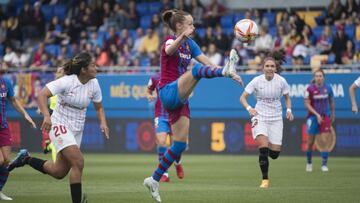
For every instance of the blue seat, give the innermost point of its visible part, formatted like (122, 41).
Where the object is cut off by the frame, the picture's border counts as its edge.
(144, 61)
(48, 12)
(60, 11)
(227, 21)
(154, 7)
(238, 16)
(271, 17)
(273, 31)
(201, 32)
(53, 49)
(145, 22)
(318, 31)
(132, 34)
(331, 59)
(142, 9)
(307, 60)
(350, 31)
(228, 31)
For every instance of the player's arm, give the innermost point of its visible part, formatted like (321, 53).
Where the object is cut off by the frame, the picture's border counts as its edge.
(42, 100)
(149, 91)
(289, 114)
(100, 113)
(16, 104)
(312, 110)
(172, 45)
(352, 94)
(246, 105)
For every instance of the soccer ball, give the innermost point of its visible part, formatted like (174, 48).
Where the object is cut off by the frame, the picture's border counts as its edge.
(246, 30)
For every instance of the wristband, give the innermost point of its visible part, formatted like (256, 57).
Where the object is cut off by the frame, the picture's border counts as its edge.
(288, 110)
(248, 108)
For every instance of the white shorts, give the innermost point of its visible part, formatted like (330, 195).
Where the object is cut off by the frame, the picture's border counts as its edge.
(63, 137)
(271, 129)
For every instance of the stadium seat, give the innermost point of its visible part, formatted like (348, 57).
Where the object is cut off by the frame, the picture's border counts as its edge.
(310, 17)
(357, 33)
(238, 16)
(350, 31)
(228, 31)
(2, 50)
(142, 9)
(318, 31)
(154, 7)
(48, 12)
(307, 60)
(227, 21)
(357, 45)
(331, 59)
(145, 22)
(144, 61)
(53, 49)
(273, 31)
(201, 32)
(132, 34)
(319, 20)
(60, 11)
(271, 17)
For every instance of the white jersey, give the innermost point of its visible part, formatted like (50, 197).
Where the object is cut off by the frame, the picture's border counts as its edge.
(357, 82)
(73, 100)
(268, 94)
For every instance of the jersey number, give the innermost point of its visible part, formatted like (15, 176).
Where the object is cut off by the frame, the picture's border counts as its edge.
(59, 130)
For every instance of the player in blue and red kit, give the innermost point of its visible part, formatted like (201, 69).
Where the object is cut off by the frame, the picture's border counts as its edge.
(319, 100)
(177, 83)
(162, 126)
(7, 93)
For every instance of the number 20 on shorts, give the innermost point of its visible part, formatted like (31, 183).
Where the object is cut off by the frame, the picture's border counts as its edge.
(59, 129)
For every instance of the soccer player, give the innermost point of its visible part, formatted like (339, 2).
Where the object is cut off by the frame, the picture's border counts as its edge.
(75, 91)
(176, 84)
(7, 92)
(162, 127)
(353, 87)
(319, 101)
(266, 117)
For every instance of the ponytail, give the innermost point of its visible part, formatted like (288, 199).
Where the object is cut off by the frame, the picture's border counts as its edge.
(79, 61)
(173, 16)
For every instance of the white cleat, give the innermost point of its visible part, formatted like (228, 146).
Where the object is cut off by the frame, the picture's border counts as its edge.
(230, 67)
(324, 169)
(308, 167)
(4, 197)
(153, 187)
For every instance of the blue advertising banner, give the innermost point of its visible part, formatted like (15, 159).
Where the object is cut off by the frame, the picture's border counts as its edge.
(125, 96)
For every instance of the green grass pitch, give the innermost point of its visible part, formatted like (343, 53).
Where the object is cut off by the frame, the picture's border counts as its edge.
(208, 178)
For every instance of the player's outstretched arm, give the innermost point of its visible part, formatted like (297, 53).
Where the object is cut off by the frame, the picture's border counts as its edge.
(354, 107)
(101, 116)
(16, 104)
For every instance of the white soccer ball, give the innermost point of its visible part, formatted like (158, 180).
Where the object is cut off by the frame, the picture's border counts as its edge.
(246, 30)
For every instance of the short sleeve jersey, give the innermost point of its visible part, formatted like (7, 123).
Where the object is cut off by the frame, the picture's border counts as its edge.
(73, 98)
(268, 95)
(173, 66)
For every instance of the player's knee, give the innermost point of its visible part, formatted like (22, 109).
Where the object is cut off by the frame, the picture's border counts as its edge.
(59, 175)
(78, 164)
(5, 162)
(264, 151)
(274, 154)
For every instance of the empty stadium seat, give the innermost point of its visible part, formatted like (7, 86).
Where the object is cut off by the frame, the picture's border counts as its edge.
(271, 16)
(201, 32)
(227, 21)
(145, 22)
(318, 31)
(60, 11)
(154, 7)
(142, 9)
(350, 31)
(238, 16)
(48, 12)
(53, 49)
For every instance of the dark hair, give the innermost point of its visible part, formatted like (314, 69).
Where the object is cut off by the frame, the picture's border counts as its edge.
(173, 16)
(79, 61)
(278, 57)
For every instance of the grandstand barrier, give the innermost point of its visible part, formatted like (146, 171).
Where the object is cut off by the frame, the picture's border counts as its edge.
(219, 123)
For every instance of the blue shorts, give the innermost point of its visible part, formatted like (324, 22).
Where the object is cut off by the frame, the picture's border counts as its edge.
(169, 96)
(312, 126)
(162, 125)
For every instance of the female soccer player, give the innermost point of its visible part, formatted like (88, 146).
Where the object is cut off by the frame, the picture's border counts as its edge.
(7, 92)
(319, 101)
(353, 87)
(162, 126)
(75, 91)
(176, 84)
(266, 117)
